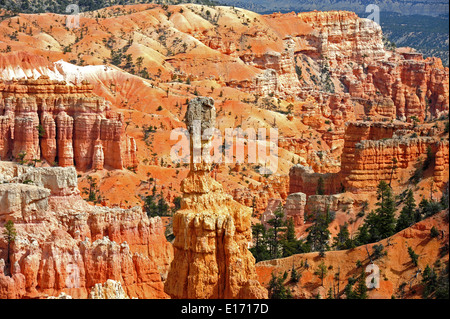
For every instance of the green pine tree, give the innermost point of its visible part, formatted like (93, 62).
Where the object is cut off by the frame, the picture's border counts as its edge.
(414, 257)
(386, 210)
(278, 226)
(290, 245)
(361, 287)
(318, 233)
(260, 251)
(408, 213)
(276, 288)
(342, 240)
(295, 275)
(321, 271)
(9, 234)
(320, 186)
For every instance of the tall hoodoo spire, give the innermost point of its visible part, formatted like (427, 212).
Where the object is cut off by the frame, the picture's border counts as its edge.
(212, 231)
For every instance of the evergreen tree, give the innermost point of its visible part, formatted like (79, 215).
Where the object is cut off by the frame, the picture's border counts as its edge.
(150, 207)
(377, 251)
(9, 234)
(434, 232)
(414, 257)
(386, 210)
(321, 271)
(156, 205)
(360, 291)
(408, 214)
(92, 191)
(361, 287)
(290, 245)
(429, 282)
(342, 240)
(381, 223)
(428, 208)
(445, 197)
(295, 276)
(276, 288)
(163, 207)
(318, 234)
(330, 294)
(260, 251)
(348, 290)
(362, 236)
(278, 225)
(320, 186)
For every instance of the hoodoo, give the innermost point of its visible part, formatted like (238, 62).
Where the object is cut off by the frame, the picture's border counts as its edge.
(212, 231)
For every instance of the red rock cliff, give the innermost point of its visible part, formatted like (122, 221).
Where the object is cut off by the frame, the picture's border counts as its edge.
(64, 124)
(65, 245)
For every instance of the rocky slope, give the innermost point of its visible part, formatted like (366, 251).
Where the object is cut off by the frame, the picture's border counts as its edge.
(106, 96)
(65, 245)
(327, 68)
(395, 267)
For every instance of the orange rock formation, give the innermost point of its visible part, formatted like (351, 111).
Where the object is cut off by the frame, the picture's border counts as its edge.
(62, 124)
(65, 245)
(212, 231)
(376, 151)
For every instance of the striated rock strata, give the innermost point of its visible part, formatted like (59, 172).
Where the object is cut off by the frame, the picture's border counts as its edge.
(376, 151)
(65, 245)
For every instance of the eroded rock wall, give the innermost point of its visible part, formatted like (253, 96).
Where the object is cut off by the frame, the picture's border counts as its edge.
(62, 124)
(65, 245)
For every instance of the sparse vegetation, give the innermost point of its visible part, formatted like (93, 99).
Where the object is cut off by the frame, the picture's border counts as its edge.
(92, 191)
(276, 288)
(414, 257)
(321, 271)
(9, 234)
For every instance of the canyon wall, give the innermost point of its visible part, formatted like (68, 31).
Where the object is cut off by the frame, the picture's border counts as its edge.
(402, 86)
(65, 245)
(337, 52)
(376, 151)
(303, 179)
(259, 195)
(384, 151)
(62, 125)
(342, 36)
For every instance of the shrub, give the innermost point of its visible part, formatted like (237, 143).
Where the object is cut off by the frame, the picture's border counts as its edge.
(377, 251)
(414, 256)
(434, 232)
(276, 288)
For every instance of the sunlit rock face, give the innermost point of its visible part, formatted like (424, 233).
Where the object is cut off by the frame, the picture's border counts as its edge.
(64, 125)
(66, 246)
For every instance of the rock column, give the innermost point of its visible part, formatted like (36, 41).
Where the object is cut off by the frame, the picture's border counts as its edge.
(212, 231)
